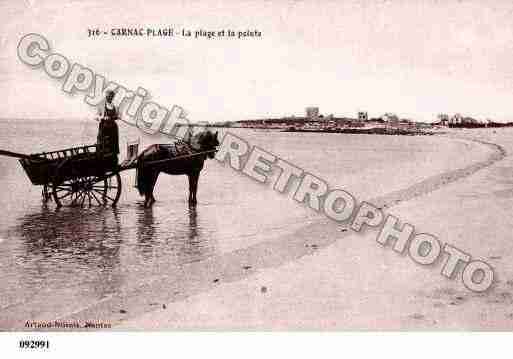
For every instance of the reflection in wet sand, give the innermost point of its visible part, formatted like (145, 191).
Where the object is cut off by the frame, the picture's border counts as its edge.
(145, 232)
(74, 257)
(57, 242)
(193, 248)
(180, 238)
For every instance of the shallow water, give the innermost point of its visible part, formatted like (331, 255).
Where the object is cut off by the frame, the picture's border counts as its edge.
(58, 261)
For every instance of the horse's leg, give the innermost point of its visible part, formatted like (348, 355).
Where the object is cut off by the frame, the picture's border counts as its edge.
(153, 183)
(149, 198)
(193, 188)
(148, 194)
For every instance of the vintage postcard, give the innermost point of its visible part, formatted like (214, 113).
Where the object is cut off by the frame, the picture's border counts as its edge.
(255, 166)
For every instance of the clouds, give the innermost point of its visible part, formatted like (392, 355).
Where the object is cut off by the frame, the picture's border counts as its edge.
(416, 58)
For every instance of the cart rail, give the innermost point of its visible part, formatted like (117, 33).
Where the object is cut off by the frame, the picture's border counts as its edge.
(68, 152)
(52, 155)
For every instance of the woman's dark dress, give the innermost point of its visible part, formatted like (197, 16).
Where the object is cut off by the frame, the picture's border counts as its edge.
(108, 133)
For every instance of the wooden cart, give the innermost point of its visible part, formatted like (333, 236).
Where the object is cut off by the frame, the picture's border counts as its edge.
(80, 176)
(84, 176)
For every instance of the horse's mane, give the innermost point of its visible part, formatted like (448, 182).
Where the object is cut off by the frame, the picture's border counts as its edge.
(199, 140)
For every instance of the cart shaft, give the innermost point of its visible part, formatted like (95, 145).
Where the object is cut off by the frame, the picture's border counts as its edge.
(14, 154)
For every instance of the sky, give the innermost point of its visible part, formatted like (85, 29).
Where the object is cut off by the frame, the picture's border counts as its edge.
(413, 58)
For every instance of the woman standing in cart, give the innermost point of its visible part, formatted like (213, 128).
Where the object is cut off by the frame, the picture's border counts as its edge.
(108, 132)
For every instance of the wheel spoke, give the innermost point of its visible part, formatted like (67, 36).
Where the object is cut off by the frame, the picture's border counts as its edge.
(73, 200)
(83, 199)
(79, 196)
(69, 193)
(102, 192)
(73, 194)
(109, 197)
(96, 199)
(105, 195)
(95, 180)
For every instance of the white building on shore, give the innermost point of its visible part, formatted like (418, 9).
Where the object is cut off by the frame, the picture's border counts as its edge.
(312, 113)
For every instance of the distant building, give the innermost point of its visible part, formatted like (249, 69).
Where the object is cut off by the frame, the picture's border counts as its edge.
(443, 119)
(456, 119)
(470, 121)
(312, 113)
(390, 118)
(362, 116)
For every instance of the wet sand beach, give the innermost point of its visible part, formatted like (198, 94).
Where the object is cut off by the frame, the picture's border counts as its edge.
(245, 258)
(350, 282)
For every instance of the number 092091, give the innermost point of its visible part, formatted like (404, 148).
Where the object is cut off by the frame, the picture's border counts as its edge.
(34, 344)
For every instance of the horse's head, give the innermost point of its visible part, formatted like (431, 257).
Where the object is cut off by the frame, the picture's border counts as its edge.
(206, 141)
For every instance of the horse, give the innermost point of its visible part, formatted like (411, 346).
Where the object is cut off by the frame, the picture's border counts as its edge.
(177, 158)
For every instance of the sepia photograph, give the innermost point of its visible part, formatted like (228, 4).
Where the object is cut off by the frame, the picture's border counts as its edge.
(255, 166)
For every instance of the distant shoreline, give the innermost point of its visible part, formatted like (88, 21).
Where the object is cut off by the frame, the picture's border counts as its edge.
(363, 130)
(369, 131)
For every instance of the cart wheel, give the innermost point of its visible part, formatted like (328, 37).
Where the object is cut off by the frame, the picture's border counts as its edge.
(87, 191)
